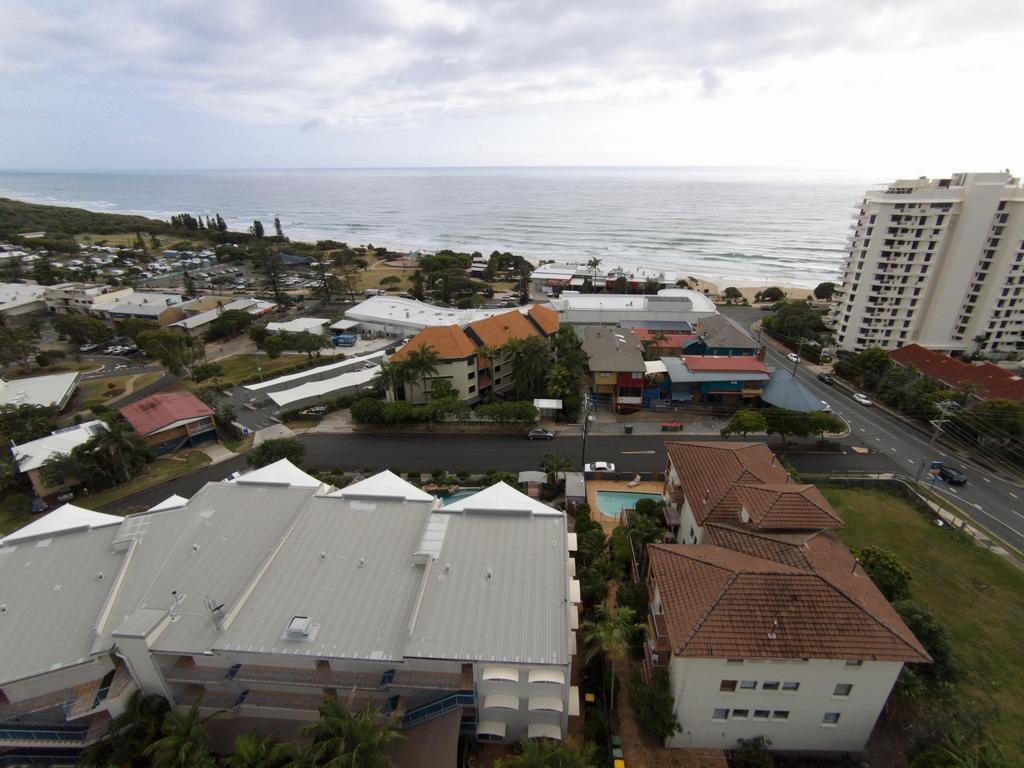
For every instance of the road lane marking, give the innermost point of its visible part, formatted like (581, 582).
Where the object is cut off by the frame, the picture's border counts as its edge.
(985, 479)
(1013, 494)
(636, 453)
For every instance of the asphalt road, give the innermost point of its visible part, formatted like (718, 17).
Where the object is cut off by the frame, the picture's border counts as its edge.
(996, 503)
(347, 452)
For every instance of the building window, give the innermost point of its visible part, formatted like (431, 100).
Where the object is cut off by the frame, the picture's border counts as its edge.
(727, 686)
(782, 714)
(472, 388)
(854, 662)
(791, 686)
(842, 689)
(720, 714)
(770, 686)
(748, 685)
(740, 714)
(472, 375)
(761, 714)
(830, 718)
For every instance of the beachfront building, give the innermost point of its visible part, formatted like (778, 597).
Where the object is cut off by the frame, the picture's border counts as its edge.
(669, 306)
(197, 323)
(259, 596)
(32, 455)
(709, 379)
(48, 391)
(20, 299)
(471, 374)
(762, 618)
(719, 335)
(936, 262)
(171, 421)
(162, 308)
(395, 317)
(554, 278)
(82, 298)
(617, 369)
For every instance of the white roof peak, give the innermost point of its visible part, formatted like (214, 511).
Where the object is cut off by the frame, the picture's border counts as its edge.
(384, 485)
(65, 518)
(281, 472)
(501, 498)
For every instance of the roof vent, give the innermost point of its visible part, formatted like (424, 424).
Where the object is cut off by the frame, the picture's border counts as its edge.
(773, 632)
(707, 495)
(362, 559)
(323, 555)
(490, 573)
(298, 627)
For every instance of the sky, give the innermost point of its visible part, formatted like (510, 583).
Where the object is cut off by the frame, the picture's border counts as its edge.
(906, 88)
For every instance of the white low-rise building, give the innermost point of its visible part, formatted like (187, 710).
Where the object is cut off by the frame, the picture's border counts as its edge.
(197, 324)
(82, 298)
(396, 317)
(17, 299)
(300, 325)
(54, 390)
(31, 456)
(261, 595)
(672, 305)
(556, 277)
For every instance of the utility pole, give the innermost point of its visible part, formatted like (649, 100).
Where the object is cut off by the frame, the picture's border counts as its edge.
(937, 423)
(587, 407)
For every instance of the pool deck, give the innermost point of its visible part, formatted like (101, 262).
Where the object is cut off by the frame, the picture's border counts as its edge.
(619, 486)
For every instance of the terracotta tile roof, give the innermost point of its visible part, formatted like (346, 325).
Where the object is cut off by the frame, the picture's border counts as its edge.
(992, 382)
(158, 411)
(448, 341)
(720, 603)
(744, 363)
(710, 470)
(495, 331)
(545, 318)
(785, 548)
(788, 506)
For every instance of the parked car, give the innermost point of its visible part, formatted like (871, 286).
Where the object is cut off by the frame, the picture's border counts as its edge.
(88, 347)
(315, 412)
(65, 497)
(793, 357)
(825, 407)
(37, 506)
(112, 350)
(862, 399)
(540, 434)
(826, 379)
(599, 466)
(952, 476)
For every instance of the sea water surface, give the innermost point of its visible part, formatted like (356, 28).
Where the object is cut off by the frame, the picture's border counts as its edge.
(732, 226)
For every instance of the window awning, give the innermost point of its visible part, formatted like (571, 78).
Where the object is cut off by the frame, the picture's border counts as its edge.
(574, 590)
(344, 325)
(495, 672)
(574, 701)
(572, 542)
(574, 618)
(491, 728)
(544, 703)
(547, 675)
(544, 731)
(502, 701)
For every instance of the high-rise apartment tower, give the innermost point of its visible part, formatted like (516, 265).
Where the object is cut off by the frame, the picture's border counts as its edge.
(939, 262)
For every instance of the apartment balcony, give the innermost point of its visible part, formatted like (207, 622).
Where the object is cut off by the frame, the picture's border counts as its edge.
(90, 697)
(322, 677)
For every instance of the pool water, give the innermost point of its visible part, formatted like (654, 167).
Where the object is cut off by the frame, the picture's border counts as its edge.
(611, 503)
(447, 499)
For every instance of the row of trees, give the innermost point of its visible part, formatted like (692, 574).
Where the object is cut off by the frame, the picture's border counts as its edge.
(444, 406)
(776, 421)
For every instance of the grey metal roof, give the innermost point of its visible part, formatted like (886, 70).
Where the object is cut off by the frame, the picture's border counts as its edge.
(613, 350)
(678, 373)
(720, 332)
(348, 566)
(210, 549)
(519, 614)
(783, 390)
(51, 593)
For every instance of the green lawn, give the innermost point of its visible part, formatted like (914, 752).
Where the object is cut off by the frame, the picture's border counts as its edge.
(101, 391)
(237, 445)
(160, 471)
(978, 596)
(238, 367)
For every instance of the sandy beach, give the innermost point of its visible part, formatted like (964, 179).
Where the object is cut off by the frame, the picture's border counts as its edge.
(713, 289)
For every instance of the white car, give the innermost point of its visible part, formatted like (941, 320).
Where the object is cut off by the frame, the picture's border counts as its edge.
(599, 466)
(793, 357)
(825, 407)
(862, 399)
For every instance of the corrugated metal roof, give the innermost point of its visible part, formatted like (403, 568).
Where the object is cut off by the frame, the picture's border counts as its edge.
(35, 453)
(65, 518)
(51, 592)
(498, 592)
(784, 390)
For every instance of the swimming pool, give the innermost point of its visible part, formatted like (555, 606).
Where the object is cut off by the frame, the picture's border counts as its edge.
(463, 493)
(611, 503)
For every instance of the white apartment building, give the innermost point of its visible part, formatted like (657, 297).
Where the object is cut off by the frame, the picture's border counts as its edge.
(937, 262)
(762, 618)
(669, 306)
(82, 298)
(261, 595)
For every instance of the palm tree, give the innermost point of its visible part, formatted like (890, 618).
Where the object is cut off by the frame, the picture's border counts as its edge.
(421, 364)
(183, 743)
(255, 751)
(593, 264)
(530, 357)
(553, 464)
(131, 732)
(608, 636)
(487, 353)
(120, 449)
(559, 381)
(345, 740)
(62, 468)
(392, 378)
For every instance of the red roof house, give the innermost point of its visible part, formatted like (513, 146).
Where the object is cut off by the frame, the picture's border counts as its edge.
(170, 421)
(990, 382)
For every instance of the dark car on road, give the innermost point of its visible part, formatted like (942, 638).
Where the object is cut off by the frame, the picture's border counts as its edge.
(540, 434)
(952, 476)
(824, 377)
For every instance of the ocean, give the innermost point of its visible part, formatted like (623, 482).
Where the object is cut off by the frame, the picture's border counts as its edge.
(731, 226)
